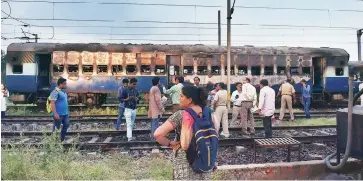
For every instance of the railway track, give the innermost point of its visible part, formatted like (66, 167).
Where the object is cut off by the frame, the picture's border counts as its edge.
(109, 140)
(139, 118)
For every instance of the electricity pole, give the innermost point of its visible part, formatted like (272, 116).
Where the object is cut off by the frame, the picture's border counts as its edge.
(359, 35)
(219, 28)
(229, 52)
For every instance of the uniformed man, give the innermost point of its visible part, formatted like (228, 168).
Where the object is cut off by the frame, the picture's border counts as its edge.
(287, 93)
(236, 100)
(248, 96)
(220, 108)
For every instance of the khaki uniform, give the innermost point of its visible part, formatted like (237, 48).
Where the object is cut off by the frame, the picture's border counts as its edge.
(286, 99)
(221, 111)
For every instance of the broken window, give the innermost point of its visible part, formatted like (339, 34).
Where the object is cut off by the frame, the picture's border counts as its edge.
(146, 69)
(188, 70)
(281, 70)
(160, 69)
(202, 70)
(131, 69)
(58, 68)
(339, 71)
(294, 70)
(242, 70)
(72, 68)
(117, 69)
(306, 70)
(269, 70)
(17, 69)
(174, 70)
(256, 70)
(216, 70)
(102, 69)
(232, 70)
(87, 68)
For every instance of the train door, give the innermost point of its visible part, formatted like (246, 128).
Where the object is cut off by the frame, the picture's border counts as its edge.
(173, 68)
(44, 61)
(318, 83)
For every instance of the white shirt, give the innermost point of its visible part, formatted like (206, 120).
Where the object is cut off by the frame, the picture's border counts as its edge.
(235, 101)
(361, 97)
(248, 92)
(3, 101)
(267, 101)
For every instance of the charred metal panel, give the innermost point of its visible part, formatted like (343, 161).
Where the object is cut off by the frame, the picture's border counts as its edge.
(73, 58)
(254, 60)
(306, 61)
(216, 60)
(336, 61)
(281, 60)
(294, 60)
(160, 58)
(130, 58)
(102, 58)
(268, 60)
(175, 60)
(117, 58)
(146, 58)
(188, 60)
(242, 59)
(58, 57)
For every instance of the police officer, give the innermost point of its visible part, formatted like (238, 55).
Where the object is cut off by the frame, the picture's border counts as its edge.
(287, 93)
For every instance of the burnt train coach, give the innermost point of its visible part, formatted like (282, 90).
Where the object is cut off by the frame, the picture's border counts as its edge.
(94, 71)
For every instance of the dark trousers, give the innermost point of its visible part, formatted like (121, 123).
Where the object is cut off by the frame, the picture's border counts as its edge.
(154, 126)
(64, 120)
(267, 126)
(307, 102)
(121, 111)
(2, 114)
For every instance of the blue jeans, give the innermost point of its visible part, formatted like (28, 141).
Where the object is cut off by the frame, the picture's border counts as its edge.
(121, 111)
(64, 120)
(154, 126)
(130, 116)
(307, 102)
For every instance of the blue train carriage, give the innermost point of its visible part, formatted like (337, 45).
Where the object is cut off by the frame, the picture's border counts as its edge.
(355, 69)
(92, 71)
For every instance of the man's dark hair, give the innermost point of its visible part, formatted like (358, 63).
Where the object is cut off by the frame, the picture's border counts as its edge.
(238, 83)
(303, 80)
(61, 81)
(288, 80)
(248, 79)
(264, 82)
(155, 80)
(181, 79)
(222, 85)
(133, 80)
(125, 81)
(197, 78)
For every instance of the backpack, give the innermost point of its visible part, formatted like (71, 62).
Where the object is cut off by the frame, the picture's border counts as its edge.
(48, 106)
(202, 151)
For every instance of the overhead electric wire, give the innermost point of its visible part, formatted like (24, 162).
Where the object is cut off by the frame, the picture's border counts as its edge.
(9, 8)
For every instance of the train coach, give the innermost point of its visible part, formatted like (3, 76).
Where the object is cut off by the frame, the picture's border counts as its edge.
(94, 71)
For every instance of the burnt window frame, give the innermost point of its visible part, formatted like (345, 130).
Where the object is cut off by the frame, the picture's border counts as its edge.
(131, 73)
(162, 73)
(192, 68)
(297, 71)
(176, 70)
(205, 69)
(219, 70)
(278, 70)
(83, 68)
(56, 65)
(232, 70)
(272, 70)
(259, 70)
(117, 72)
(21, 66)
(98, 72)
(245, 67)
(342, 69)
(145, 73)
(306, 68)
(69, 66)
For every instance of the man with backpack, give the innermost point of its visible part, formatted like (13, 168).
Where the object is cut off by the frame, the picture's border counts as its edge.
(59, 107)
(121, 108)
(131, 98)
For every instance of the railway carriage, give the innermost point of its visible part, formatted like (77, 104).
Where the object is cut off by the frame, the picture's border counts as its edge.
(94, 71)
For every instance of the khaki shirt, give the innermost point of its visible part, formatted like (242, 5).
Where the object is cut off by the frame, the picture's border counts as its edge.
(287, 89)
(221, 98)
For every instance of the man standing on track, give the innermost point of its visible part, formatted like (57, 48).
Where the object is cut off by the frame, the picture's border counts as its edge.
(175, 92)
(155, 106)
(287, 93)
(131, 98)
(121, 108)
(220, 108)
(266, 106)
(306, 97)
(248, 96)
(236, 100)
(196, 81)
(59, 105)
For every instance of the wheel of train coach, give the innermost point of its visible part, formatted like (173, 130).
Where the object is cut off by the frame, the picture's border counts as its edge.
(93, 100)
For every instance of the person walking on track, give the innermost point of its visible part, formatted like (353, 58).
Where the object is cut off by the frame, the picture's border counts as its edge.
(248, 96)
(237, 103)
(287, 93)
(306, 97)
(266, 106)
(155, 106)
(131, 98)
(121, 108)
(174, 92)
(220, 108)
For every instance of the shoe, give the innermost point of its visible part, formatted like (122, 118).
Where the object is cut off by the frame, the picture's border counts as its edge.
(291, 120)
(130, 139)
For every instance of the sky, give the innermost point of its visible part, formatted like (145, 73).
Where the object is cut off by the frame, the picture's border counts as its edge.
(332, 23)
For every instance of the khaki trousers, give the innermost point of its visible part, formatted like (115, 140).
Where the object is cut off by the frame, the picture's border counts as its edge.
(247, 115)
(221, 114)
(286, 100)
(235, 112)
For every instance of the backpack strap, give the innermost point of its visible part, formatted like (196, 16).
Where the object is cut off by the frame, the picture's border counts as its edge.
(192, 113)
